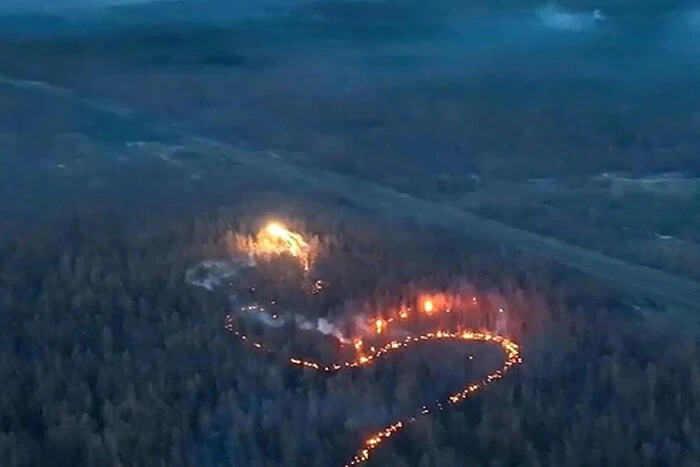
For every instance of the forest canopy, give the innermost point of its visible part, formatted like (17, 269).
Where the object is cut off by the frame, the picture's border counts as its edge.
(108, 358)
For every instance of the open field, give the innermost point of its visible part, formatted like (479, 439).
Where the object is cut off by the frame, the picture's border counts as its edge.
(387, 202)
(456, 108)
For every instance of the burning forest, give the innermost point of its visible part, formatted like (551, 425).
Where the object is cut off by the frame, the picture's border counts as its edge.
(362, 338)
(348, 344)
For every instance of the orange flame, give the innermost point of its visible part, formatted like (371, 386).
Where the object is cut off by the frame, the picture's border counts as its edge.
(276, 239)
(379, 325)
(372, 442)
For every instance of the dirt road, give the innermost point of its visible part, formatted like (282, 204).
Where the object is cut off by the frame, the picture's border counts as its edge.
(638, 280)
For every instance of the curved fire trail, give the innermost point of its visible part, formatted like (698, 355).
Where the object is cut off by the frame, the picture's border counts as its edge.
(276, 239)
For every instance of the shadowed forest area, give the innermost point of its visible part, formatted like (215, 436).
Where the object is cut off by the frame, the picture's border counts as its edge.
(109, 359)
(576, 120)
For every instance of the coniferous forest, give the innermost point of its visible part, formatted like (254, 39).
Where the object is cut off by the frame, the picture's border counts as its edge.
(109, 358)
(145, 147)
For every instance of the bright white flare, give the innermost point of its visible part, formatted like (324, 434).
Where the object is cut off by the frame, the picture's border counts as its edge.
(275, 239)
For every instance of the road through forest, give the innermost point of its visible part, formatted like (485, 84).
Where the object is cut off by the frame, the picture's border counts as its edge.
(372, 197)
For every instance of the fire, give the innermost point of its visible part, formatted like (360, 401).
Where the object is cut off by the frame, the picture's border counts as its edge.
(276, 239)
(445, 302)
(276, 230)
(510, 348)
(379, 325)
(317, 287)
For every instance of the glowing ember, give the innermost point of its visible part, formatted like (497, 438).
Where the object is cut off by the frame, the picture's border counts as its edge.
(510, 349)
(379, 325)
(317, 287)
(277, 239)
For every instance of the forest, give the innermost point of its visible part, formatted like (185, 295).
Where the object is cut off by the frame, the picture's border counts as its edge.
(109, 358)
(118, 347)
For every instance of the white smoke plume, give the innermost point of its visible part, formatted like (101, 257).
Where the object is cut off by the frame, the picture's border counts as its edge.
(263, 316)
(211, 274)
(326, 327)
(557, 18)
(260, 314)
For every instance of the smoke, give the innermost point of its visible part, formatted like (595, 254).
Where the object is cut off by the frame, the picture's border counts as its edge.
(225, 276)
(211, 274)
(557, 18)
(684, 32)
(261, 315)
(326, 327)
